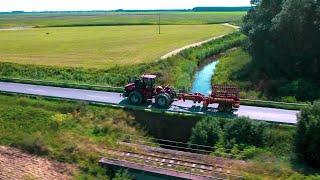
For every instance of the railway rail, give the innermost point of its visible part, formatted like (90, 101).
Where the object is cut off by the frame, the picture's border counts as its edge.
(173, 163)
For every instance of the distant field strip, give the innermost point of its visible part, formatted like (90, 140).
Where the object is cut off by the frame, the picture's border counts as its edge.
(100, 47)
(116, 18)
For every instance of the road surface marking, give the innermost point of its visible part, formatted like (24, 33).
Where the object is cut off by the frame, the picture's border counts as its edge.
(94, 96)
(36, 90)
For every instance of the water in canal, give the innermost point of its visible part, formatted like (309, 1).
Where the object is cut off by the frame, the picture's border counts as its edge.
(202, 82)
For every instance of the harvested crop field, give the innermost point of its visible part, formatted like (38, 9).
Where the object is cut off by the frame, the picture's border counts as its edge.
(100, 47)
(15, 164)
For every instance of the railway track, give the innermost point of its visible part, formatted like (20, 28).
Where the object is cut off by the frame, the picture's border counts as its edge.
(171, 162)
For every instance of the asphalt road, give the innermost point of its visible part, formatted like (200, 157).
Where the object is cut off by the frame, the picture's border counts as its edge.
(257, 113)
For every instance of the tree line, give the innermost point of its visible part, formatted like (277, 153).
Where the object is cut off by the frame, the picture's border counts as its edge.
(284, 42)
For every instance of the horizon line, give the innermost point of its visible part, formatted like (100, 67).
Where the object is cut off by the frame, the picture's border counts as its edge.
(110, 10)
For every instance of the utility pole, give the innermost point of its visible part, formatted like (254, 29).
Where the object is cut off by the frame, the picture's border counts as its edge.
(159, 23)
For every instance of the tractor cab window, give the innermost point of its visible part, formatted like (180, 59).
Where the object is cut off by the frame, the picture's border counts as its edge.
(149, 83)
(138, 83)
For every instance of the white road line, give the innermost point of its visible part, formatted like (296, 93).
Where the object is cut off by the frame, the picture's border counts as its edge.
(36, 90)
(100, 97)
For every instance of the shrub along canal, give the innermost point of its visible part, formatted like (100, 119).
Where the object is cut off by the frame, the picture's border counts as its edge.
(202, 82)
(176, 127)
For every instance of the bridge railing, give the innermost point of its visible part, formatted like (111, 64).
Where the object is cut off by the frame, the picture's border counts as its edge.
(182, 146)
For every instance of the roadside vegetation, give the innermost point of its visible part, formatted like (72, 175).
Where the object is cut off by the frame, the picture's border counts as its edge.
(307, 141)
(271, 151)
(177, 70)
(234, 68)
(274, 64)
(117, 18)
(230, 70)
(283, 41)
(79, 134)
(68, 132)
(101, 47)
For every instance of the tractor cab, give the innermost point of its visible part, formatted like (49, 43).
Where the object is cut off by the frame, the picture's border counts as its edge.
(143, 89)
(148, 81)
(144, 84)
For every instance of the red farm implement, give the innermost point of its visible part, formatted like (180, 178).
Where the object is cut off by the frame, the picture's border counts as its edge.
(143, 89)
(226, 96)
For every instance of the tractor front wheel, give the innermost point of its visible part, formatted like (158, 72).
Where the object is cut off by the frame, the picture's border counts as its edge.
(135, 98)
(163, 101)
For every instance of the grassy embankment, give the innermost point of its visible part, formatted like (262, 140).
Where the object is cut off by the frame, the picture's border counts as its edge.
(276, 158)
(68, 132)
(100, 47)
(79, 134)
(233, 68)
(268, 149)
(116, 18)
(177, 71)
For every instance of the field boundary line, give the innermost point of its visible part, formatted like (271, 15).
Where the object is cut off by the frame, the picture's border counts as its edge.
(274, 102)
(19, 28)
(177, 51)
(232, 26)
(63, 84)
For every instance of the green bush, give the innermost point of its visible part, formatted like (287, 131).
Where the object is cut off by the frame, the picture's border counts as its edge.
(122, 175)
(245, 132)
(33, 144)
(100, 130)
(307, 141)
(207, 132)
(301, 89)
(251, 152)
(279, 140)
(289, 99)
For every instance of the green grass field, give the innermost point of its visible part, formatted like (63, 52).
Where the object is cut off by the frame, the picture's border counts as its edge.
(64, 131)
(113, 18)
(80, 134)
(100, 47)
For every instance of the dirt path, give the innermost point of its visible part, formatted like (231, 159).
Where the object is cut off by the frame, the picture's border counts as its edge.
(15, 164)
(232, 26)
(15, 28)
(176, 51)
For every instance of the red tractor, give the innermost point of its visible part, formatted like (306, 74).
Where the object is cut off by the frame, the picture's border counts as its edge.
(143, 89)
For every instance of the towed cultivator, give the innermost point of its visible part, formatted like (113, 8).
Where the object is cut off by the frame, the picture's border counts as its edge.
(143, 89)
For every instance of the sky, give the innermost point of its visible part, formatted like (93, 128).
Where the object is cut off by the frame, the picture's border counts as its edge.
(64, 5)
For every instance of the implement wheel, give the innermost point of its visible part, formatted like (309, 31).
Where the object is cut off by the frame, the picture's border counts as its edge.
(224, 107)
(135, 98)
(163, 100)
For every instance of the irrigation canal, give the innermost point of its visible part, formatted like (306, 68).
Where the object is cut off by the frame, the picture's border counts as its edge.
(202, 82)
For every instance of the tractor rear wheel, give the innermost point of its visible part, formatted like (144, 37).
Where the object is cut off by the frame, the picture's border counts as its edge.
(228, 108)
(163, 100)
(225, 108)
(135, 98)
(221, 107)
